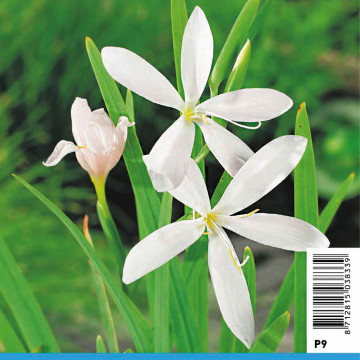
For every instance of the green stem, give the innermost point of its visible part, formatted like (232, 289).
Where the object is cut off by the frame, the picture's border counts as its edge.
(108, 225)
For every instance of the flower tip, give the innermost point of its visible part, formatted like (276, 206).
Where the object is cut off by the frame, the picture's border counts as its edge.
(287, 313)
(352, 175)
(87, 41)
(302, 106)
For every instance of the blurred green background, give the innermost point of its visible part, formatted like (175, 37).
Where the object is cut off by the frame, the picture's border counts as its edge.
(307, 49)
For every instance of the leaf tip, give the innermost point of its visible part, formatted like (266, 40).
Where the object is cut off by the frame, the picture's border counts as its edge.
(302, 106)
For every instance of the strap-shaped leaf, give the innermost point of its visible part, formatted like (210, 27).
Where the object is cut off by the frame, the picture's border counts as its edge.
(250, 276)
(9, 341)
(233, 44)
(161, 295)
(100, 345)
(334, 203)
(284, 298)
(138, 327)
(269, 339)
(179, 18)
(306, 208)
(260, 18)
(23, 304)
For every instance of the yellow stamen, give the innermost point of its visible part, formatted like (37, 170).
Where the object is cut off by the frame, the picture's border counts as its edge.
(82, 147)
(249, 214)
(233, 260)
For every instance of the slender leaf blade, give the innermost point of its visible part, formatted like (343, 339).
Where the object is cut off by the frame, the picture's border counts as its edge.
(233, 44)
(9, 341)
(284, 298)
(179, 18)
(161, 296)
(269, 339)
(100, 345)
(139, 329)
(23, 304)
(327, 215)
(306, 208)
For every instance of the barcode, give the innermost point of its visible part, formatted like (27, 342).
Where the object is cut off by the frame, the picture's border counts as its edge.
(330, 291)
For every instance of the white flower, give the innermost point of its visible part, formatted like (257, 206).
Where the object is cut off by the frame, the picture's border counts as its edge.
(99, 144)
(260, 174)
(166, 161)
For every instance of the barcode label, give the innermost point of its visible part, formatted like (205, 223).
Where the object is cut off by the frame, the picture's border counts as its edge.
(333, 300)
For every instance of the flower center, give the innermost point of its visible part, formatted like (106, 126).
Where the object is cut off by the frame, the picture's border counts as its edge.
(191, 115)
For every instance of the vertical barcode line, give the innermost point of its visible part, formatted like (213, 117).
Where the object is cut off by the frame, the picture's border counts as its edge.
(329, 291)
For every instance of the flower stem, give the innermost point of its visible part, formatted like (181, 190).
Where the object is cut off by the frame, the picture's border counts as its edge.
(108, 225)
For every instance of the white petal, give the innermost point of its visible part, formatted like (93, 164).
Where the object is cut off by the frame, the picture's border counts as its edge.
(168, 158)
(228, 149)
(62, 148)
(261, 173)
(81, 116)
(247, 105)
(139, 76)
(196, 56)
(192, 191)
(279, 231)
(160, 247)
(230, 287)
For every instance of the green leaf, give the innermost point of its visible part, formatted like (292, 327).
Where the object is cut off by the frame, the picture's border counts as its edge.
(261, 18)
(23, 304)
(9, 341)
(284, 298)
(220, 188)
(306, 208)
(306, 196)
(139, 329)
(128, 351)
(269, 339)
(238, 73)
(250, 277)
(182, 316)
(110, 92)
(100, 345)
(104, 305)
(334, 203)
(161, 296)
(233, 44)
(179, 19)
(146, 199)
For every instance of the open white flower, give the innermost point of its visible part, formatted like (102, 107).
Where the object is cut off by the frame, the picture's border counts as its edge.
(166, 161)
(99, 144)
(260, 174)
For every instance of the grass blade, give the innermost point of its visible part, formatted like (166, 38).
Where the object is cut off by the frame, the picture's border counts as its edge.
(260, 18)
(161, 296)
(179, 19)
(104, 306)
(306, 208)
(269, 339)
(139, 329)
(182, 317)
(250, 276)
(9, 341)
(233, 44)
(23, 304)
(334, 203)
(100, 345)
(284, 298)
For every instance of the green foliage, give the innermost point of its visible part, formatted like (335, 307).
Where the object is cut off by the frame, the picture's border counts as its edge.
(100, 345)
(137, 325)
(306, 208)
(233, 44)
(9, 341)
(24, 306)
(334, 203)
(270, 338)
